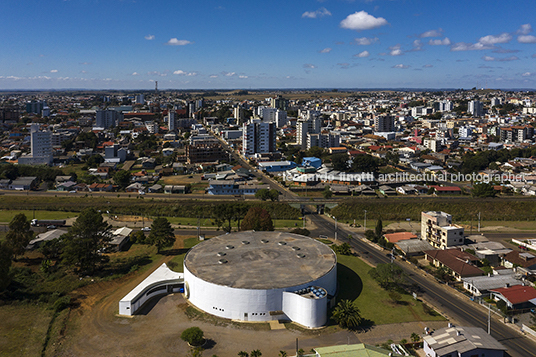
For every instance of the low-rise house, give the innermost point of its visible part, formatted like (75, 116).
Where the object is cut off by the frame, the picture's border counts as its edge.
(399, 236)
(227, 187)
(516, 258)
(101, 187)
(413, 247)
(45, 237)
(24, 183)
(461, 342)
(135, 187)
(516, 297)
(406, 190)
(4, 184)
(387, 190)
(446, 190)
(120, 237)
(357, 350)
(65, 186)
(169, 189)
(458, 262)
(364, 190)
(480, 285)
(156, 188)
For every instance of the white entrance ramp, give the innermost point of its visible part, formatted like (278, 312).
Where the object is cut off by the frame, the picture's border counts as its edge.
(162, 281)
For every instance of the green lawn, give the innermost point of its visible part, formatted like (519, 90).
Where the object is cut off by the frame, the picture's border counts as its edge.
(373, 301)
(209, 222)
(7, 216)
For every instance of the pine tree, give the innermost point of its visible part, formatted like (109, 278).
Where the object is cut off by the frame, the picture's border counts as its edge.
(19, 234)
(162, 234)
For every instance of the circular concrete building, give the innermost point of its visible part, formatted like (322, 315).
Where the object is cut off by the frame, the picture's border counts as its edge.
(262, 276)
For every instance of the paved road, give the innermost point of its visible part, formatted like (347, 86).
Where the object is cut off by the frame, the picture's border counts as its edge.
(460, 310)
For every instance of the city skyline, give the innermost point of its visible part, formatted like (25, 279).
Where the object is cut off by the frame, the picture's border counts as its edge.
(91, 44)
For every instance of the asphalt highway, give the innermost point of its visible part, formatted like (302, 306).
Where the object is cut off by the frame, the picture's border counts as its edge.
(458, 309)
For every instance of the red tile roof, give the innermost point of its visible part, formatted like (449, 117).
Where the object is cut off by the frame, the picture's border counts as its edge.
(517, 294)
(397, 237)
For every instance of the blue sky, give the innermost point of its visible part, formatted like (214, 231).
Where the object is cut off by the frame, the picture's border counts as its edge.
(191, 44)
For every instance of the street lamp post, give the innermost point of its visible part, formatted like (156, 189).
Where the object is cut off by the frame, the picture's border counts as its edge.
(365, 220)
(335, 218)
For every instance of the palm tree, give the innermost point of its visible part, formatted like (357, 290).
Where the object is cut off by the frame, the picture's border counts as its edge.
(415, 337)
(347, 315)
(243, 354)
(282, 354)
(255, 353)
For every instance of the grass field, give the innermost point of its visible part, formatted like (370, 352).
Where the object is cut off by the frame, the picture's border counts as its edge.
(209, 222)
(23, 329)
(374, 302)
(7, 216)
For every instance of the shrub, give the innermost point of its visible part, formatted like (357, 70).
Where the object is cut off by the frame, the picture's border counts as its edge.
(193, 335)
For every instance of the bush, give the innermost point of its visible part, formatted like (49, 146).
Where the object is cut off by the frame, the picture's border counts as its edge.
(62, 303)
(193, 335)
(302, 231)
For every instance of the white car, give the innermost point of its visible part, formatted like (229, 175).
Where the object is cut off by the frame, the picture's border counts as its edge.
(146, 229)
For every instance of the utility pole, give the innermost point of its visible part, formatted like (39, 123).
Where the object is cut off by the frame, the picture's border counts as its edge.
(365, 220)
(489, 319)
(478, 222)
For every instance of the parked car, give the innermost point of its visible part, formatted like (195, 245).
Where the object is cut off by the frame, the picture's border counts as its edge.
(146, 229)
(51, 227)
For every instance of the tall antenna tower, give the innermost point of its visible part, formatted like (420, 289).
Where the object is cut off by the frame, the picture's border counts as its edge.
(156, 86)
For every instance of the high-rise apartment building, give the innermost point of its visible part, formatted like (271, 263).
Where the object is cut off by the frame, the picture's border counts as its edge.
(279, 103)
(475, 108)
(258, 137)
(108, 118)
(40, 146)
(384, 123)
(172, 120)
(323, 140)
(310, 123)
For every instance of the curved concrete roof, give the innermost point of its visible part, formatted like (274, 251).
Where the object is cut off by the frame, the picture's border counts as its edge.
(260, 260)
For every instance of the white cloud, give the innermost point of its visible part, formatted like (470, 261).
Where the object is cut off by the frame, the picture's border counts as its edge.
(401, 66)
(213, 76)
(309, 66)
(228, 74)
(325, 50)
(506, 59)
(365, 41)
(527, 74)
(427, 66)
(54, 71)
(432, 33)
(492, 40)
(149, 37)
(417, 46)
(315, 14)
(438, 42)
(362, 21)
(526, 39)
(525, 29)
(135, 74)
(176, 42)
(180, 72)
(395, 50)
(463, 46)
(243, 77)
(362, 54)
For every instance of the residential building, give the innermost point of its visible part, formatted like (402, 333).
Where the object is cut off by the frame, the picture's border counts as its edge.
(258, 137)
(445, 106)
(475, 108)
(114, 153)
(461, 342)
(384, 123)
(172, 120)
(323, 140)
(230, 187)
(357, 350)
(516, 297)
(108, 118)
(41, 147)
(280, 103)
(35, 107)
(200, 151)
(311, 125)
(438, 230)
(460, 264)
